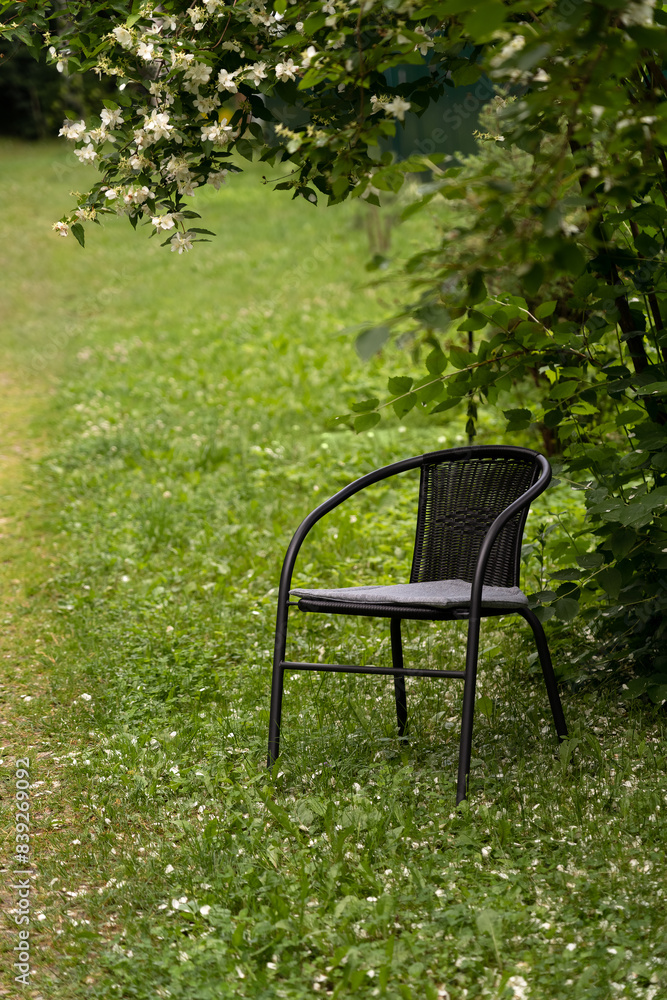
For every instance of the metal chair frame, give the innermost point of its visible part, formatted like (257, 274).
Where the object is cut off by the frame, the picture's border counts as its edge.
(471, 610)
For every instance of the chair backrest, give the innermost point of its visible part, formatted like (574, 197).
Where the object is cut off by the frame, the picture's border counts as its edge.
(461, 494)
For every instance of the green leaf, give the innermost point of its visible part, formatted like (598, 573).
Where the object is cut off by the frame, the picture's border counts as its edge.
(474, 321)
(564, 390)
(79, 234)
(371, 340)
(363, 405)
(460, 359)
(436, 362)
(546, 309)
(399, 384)
(566, 609)
(611, 580)
(245, 148)
(366, 421)
(404, 404)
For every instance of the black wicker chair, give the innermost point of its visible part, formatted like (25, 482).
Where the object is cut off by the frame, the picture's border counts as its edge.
(473, 504)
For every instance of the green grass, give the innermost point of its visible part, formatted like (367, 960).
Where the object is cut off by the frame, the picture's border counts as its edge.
(188, 441)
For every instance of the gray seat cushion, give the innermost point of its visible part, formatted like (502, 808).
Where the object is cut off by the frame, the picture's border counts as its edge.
(435, 594)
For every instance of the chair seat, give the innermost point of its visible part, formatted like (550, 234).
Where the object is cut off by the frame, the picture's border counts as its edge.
(432, 594)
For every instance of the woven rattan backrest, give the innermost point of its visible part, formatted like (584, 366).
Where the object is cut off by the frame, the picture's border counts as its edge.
(459, 498)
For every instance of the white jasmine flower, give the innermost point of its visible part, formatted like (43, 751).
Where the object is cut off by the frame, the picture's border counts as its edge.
(639, 13)
(425, 43)
(110, 119)
(97, 135)
(256, 73)
(216, 134)
(328, 7)
(198, 73)
(158, 124)
(161, 222)
(182, 242)
(73, 130)
(197, 16)
(217, 177)
(137, 195)
(86, 154)
(206, 104)
(61, 228)
(286, 70)
(145, 51)
(397, 108)
(308, 56)
(226, 81)
(123, 37)
(512, 48)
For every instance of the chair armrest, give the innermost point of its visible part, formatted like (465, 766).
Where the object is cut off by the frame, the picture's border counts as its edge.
(328, 505)
(487, 544)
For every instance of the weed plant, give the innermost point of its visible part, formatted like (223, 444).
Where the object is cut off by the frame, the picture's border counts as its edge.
(188, 442)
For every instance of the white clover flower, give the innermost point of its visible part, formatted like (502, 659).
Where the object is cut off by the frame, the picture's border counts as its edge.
(256, 73)
(86, 154)
(226, 81)
(205, 910)
(169, 869)
(308, 56)
(122, 36)
(161, 222)
(216, 134)
(217, 177)
(397, 108)
(61, 228)
(73, 130)
(206, 104)
(110, 119)
(182, 242)
(286, 70)
(146, 51)
(85, 697)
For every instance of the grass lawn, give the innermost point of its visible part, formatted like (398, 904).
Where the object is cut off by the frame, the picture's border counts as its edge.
(179, 405)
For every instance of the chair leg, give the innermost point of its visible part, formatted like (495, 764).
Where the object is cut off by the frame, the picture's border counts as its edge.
(547, 671)
(275, 711)
(399, 681)
(470, 684)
